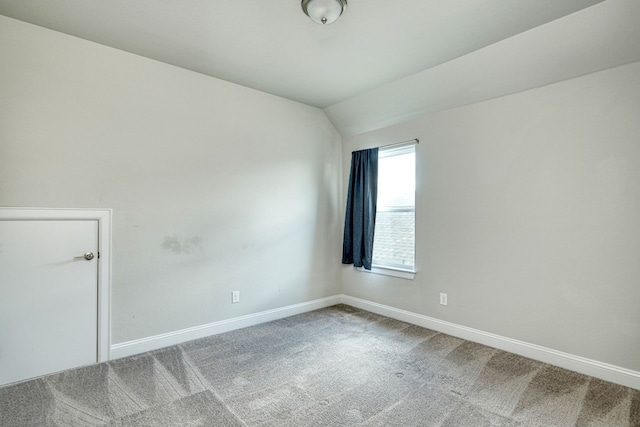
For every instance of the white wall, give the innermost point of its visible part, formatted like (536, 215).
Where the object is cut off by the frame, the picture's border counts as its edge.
(527, 216)
(214, 187)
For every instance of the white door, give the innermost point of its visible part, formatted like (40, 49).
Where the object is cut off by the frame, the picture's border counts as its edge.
(48, 296)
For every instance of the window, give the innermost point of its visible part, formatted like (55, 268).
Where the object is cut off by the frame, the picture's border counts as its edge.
(394, 238)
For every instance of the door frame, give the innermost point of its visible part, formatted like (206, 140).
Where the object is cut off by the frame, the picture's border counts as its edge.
(103, 216)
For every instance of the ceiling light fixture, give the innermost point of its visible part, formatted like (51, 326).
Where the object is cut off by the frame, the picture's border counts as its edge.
(324, 11)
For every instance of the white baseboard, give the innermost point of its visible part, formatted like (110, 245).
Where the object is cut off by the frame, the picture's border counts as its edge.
(604, 371)
(143, 345)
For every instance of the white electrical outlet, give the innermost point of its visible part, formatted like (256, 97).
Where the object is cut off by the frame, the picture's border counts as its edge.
(235, 297)
(443, 299)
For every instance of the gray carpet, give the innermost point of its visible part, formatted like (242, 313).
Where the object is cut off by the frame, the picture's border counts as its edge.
(333, 367)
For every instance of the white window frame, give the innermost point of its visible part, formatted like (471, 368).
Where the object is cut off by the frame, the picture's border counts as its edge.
(389, 269)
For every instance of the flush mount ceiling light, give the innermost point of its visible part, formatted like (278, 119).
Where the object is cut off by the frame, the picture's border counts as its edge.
(324, 11)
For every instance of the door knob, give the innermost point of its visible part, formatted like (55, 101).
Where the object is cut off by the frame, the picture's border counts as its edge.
(88, 256)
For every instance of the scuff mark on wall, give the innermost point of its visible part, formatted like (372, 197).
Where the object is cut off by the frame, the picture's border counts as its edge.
(182, 246)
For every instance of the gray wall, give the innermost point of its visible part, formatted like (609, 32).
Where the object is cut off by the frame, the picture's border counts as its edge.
(527, 217)
(214, 187)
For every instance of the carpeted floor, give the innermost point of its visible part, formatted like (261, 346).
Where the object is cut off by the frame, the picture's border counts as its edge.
(333, 367)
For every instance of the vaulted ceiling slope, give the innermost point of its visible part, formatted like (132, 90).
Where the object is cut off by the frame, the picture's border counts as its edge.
(603, 36)
(273, 47)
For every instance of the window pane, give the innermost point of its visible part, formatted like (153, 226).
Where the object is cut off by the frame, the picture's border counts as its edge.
(394, 242)
(394, 238)
(396, 180)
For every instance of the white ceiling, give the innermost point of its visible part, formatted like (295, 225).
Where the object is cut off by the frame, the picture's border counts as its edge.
(270, 45)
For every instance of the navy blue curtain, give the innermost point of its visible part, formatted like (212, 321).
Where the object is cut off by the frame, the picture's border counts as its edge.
(360, 219)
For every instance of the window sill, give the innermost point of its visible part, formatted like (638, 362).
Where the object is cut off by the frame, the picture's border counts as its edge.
(388, 271)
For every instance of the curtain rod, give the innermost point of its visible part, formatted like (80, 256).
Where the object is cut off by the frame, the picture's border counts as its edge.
(410, 141)
(414, 141)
